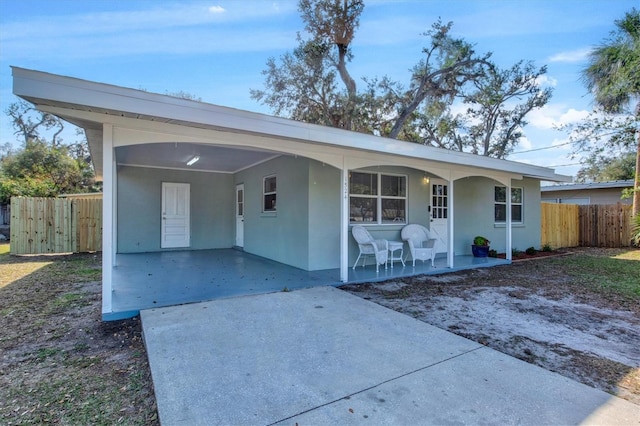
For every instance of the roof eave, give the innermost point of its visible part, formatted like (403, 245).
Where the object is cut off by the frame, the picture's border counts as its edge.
(48, 89)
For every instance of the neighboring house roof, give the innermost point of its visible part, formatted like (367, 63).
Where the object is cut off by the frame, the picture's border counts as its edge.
(91, 105)
(86, 195)
(590, 185)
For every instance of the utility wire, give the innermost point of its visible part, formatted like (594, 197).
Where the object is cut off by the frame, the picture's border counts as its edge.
(540, 149)
(595, 137)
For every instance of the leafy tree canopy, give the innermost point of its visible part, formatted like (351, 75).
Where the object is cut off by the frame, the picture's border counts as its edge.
(613, 78)
(312, 84)
(600, 168)
(42, 167)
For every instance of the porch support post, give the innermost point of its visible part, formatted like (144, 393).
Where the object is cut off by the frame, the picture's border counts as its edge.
(508, 233)
(108, 213)
(450, 220)
(344, 223)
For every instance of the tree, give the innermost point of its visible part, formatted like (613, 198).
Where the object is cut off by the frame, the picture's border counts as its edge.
(305, 85)
(42, 168)
(312, 84)
(498, 102)
(600, 168)
(613, 78)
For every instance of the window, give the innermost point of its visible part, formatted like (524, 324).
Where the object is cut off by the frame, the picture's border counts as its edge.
(269, 194)
(377, 198)
(439, 201)
(501, 204)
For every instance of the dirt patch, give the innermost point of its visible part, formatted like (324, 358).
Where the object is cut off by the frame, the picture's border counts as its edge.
(541, 311)
(59, 362)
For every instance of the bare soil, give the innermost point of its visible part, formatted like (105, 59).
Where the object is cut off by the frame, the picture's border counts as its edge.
(542, 311)
(59, 362)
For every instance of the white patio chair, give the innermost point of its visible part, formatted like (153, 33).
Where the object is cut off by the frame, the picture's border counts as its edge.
(422, 242)
(369, 246)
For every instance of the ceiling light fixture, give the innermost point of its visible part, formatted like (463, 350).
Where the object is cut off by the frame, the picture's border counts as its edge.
(193, 161)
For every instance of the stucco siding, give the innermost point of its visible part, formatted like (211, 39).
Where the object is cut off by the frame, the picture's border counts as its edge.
(324, 216)
(474, 215)
(281, 235)
(139, 195)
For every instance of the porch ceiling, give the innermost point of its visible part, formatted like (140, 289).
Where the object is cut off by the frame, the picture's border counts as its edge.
(176, 155)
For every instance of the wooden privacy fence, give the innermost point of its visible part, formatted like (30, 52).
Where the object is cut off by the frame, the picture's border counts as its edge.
(571, 225)
(560, 225)
(55, 225)
(605, 225)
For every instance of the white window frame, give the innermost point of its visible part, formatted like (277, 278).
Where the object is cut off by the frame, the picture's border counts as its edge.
(379, 197)
(504, 203)
(266, 194)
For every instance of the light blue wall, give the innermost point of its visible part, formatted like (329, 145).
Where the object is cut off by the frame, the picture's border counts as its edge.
(282, 235)
(305, 230)
(474, 215)
(139, 195)
(324, 216)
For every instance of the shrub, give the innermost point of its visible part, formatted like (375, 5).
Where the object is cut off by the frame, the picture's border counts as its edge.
(547, 247)
(481, 241)
(493, 253)
(531, 250)
(635, 231)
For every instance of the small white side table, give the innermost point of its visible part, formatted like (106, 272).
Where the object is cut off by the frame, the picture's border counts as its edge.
(394, 246)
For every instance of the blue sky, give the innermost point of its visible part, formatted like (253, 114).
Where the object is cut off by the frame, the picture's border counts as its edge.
(217, 49)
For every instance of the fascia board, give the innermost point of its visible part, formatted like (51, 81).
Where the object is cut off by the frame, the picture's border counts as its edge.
(83, 93)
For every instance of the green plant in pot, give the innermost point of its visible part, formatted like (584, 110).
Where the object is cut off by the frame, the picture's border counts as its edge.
(480, 246)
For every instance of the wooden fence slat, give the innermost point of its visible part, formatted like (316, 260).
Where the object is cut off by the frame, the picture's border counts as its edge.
(55, 225)
(570, 225)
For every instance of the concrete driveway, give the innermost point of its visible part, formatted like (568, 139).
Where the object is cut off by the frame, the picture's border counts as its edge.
(322, 356)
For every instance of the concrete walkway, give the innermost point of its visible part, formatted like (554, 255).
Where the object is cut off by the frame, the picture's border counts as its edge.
(322, 356)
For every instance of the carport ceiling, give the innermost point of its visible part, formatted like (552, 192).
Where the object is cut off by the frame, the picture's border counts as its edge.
(176, 155)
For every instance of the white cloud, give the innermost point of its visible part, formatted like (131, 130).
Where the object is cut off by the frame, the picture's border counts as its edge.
(136, 20)
(525, 144)
(545, 80)
(573, 116)
(183, 29)
(552, 116)
(577, 55)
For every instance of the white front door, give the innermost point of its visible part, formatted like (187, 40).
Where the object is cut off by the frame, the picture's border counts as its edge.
(240, 215)
(175, 215)
(440, 213)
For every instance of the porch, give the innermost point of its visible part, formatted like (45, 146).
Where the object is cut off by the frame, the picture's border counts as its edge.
(151, 280)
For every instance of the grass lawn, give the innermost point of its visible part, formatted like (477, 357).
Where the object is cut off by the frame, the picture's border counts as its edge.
(616, 274)
(60, 362)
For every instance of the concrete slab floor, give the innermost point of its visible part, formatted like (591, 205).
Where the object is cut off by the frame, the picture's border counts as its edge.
(323, 356)
(151, 280)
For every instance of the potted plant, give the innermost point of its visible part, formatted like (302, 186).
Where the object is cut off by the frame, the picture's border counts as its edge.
(480, 247)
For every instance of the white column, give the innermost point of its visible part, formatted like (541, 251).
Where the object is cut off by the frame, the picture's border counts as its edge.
(344, 223)
(450, 230)
(108, 228)
(508, 222)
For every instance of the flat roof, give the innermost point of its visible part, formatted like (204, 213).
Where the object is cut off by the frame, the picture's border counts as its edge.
(72, 96)
(589, 185)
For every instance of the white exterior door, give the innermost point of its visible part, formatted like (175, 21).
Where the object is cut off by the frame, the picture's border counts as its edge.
(240, 215)
(440, 212)
(175, 215)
